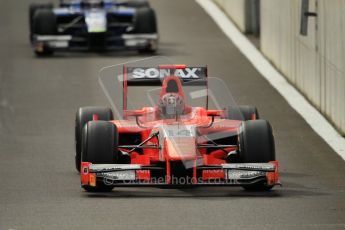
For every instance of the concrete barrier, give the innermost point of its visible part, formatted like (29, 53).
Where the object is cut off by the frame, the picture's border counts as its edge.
(314, 63)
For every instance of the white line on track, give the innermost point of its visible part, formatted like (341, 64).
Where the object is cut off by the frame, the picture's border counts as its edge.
(311, 115)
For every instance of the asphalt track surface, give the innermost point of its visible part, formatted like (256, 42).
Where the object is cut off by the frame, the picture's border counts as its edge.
(39, 187)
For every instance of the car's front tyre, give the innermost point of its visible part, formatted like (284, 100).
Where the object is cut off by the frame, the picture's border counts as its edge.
(99, 146)
(256, 145)
(84, 115)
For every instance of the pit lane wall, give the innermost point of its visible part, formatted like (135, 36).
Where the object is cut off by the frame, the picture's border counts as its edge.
(314, 63)
(244, 13)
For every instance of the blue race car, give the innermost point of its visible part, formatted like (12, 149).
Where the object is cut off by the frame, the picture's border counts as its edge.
(93, 25)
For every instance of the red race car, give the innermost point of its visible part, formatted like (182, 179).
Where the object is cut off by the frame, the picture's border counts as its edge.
(173, 126)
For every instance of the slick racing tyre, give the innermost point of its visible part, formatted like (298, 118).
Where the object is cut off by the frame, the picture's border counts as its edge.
(138, 3)
(256, 145)
(32, 9)
(83, 115)
(99, 146)
(243, 113)
(44, 23)
(145, 23)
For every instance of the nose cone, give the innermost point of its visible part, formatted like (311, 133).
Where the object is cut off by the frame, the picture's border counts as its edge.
(96, 21)
(180, 148)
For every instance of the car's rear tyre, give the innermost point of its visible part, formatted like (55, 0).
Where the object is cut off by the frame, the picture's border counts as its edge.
(32, 9)
(146, 23)
(83, 115)
(243, 113)
(44, 23)
(138, 3)
(100, 141)
(256, 145)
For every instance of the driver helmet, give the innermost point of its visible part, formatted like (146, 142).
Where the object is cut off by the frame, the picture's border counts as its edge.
(171, 105)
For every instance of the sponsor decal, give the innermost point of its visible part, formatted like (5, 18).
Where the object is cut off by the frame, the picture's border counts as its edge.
(155, 73)
(251, 166)
(113, 167)
(92, 179)
(120, 175)
(85, 170)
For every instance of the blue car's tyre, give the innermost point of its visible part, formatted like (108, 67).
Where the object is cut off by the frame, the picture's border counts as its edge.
(138, 3)
(44, 23)
(32, 10)
(145, 23)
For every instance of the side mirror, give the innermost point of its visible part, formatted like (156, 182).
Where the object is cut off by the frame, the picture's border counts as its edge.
(134, 113)
(215, 113)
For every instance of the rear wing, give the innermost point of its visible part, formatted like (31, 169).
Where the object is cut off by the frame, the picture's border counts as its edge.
(154, 76)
